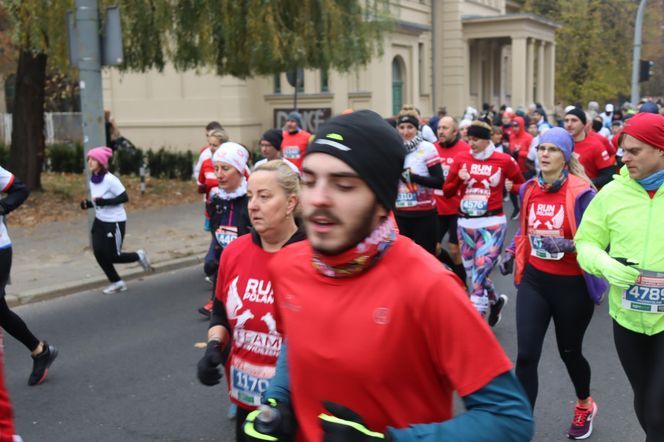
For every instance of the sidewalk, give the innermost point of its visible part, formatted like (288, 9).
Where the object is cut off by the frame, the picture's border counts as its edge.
(55, 259)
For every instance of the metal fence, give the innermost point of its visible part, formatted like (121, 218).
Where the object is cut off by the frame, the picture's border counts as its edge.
(59, 127)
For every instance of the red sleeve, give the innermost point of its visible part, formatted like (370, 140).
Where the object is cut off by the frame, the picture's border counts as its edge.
(602, 158)
(451, 184)
(462, 346)
(608, 146)
(513, 172)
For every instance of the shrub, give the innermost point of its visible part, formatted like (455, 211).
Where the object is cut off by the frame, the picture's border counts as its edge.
(65, 158)
(127, 162)
(163, 163)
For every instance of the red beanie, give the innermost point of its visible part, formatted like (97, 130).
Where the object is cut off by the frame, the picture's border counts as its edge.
(646, 127)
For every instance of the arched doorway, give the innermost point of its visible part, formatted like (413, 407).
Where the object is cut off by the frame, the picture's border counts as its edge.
(398, 80)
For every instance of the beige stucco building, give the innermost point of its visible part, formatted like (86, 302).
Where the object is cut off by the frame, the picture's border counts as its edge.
(451, 53)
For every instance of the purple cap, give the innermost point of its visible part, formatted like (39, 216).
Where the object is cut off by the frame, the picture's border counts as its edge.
(560, 138)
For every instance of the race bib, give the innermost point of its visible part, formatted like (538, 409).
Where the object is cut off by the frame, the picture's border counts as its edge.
(291, 152)
(407, 196)
(647, 294)
(225, 235)
(474, 204)
(537, 250)
(249, 381)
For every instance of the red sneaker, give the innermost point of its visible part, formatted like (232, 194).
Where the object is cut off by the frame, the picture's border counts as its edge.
(206, 310)
(582, 424)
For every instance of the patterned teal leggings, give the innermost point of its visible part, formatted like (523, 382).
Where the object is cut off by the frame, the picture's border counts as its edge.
(480, 249)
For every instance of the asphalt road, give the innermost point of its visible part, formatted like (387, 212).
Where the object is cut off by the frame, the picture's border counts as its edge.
(126, 370)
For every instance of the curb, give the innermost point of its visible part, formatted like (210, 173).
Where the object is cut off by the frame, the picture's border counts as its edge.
(58, 290)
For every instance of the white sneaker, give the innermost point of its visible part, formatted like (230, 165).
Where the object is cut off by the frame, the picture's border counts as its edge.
(143, 260)
(119, 286)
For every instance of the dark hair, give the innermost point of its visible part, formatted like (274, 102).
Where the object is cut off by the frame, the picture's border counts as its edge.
(213, 125)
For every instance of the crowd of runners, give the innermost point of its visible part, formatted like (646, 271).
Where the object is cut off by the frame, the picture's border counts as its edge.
(350, 268)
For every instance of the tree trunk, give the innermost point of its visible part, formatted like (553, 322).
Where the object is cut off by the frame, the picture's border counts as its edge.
(26, 156)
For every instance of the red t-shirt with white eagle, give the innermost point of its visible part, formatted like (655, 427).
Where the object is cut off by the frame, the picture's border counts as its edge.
(387, 343)
(244, 287)
(483, 191)
(592, 154)
(547, 217)
(448, 206)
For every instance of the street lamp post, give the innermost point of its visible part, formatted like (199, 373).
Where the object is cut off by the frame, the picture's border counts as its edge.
(636, 57)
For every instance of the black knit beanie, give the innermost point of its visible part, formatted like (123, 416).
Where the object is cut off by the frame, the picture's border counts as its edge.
(274, 137)
(579, 113)
(410, 119)
(479, 131)
(370, 146)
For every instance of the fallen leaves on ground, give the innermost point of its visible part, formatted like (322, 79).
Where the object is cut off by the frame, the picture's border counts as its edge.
(62, 193)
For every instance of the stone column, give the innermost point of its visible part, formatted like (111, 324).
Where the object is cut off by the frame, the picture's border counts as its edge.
(530, 71)
(549, 75)
(541, 85)
(519, 68)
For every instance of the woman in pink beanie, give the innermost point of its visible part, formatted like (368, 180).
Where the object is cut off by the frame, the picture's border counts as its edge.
(108, 230)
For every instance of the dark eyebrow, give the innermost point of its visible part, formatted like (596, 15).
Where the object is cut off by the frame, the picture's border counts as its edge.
(335, 174)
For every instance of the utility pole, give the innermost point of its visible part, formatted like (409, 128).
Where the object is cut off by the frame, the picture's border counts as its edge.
(636, 56)
(89, 65)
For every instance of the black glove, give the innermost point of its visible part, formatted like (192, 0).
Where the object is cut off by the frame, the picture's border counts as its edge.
(86, 204)
(273, 421)
(506, 263)
(344, 425)
(208, 371)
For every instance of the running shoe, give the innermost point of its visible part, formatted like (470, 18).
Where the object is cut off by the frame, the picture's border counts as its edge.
(232, 412)
(206, 310)
(582, 424)
(515, 214)
(495, 311)
(40, 364)
(119, 286)
(208, 280)
(143, 260)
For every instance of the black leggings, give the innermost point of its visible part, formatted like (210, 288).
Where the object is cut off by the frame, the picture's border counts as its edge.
(107, 245)
(10, 321)
(423, 229)
(542, 296)
(240, 417)
(642, 358)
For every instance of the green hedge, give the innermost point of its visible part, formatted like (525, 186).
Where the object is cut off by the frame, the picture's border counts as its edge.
(162, 163)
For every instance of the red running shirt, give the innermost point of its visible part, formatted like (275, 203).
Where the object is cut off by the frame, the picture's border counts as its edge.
(391, 343)
(592, 154)
(483, 192)
(293, 146)
(448, 206)
(244, 287)
(547, 217)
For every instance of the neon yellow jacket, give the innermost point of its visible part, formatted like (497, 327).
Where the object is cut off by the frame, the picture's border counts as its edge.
(622, 216)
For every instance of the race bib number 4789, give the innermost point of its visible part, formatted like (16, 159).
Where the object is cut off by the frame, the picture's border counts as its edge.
(647, 294)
